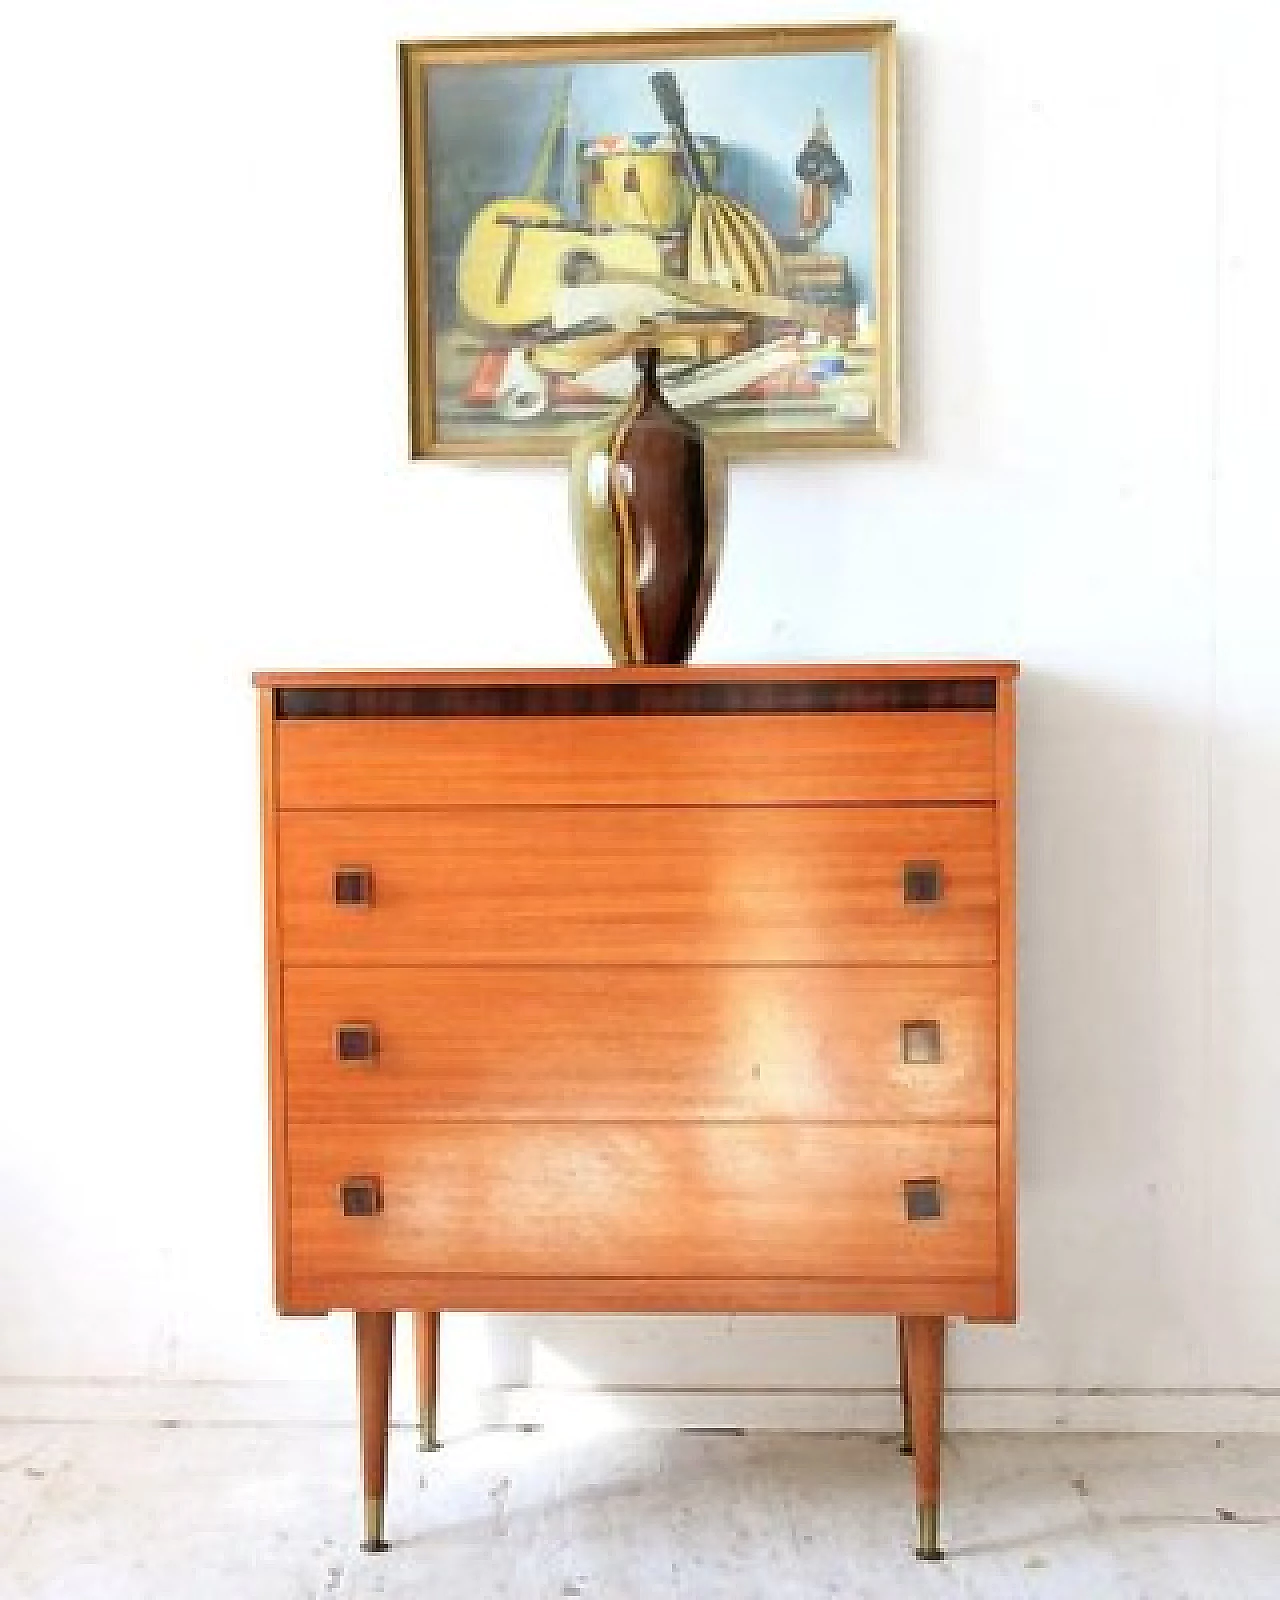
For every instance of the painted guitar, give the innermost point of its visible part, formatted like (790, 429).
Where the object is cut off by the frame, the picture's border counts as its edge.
(512, 257)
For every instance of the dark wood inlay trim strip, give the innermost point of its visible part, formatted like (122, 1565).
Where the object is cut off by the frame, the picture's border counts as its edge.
(621, 698)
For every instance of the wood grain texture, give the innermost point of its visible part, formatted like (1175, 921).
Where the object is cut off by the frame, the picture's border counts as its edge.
(1007, 857)
(824, 672)
(623, 697)
(316, 1292)
(426, 1369)
(761, 870)
(763, 759)
(375, 1334)
(642, 885)
(277, 1083)
(662, 1201)
(642, 1044)
(925, 1339)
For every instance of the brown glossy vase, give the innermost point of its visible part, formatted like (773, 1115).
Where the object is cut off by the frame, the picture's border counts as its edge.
(647, 495)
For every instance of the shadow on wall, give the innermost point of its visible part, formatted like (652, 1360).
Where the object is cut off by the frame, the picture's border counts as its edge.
(1114, 1069)
(1113, 1074)
(943, 274)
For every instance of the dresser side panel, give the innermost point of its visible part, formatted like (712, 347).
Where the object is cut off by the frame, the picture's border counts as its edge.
(277, 1077)
(1007, 867)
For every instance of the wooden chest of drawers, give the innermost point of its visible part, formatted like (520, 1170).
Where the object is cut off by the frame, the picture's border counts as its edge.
(653, 989)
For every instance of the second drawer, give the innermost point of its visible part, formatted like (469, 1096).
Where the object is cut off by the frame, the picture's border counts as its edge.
(642, 1044)
(642, 885)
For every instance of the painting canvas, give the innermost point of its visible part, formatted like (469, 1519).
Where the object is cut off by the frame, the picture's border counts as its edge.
(729, 197)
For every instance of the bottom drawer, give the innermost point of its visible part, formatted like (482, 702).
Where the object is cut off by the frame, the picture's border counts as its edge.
(659, 1201)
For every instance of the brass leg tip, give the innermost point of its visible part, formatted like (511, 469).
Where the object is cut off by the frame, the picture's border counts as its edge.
(928, 1549)
(427, 1438)
(373, 1542)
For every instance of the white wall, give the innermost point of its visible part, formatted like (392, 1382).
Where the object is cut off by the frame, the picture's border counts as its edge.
(204, 470)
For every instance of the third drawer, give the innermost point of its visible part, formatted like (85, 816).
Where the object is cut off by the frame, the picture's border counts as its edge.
(663, 1200)
(650, 1043)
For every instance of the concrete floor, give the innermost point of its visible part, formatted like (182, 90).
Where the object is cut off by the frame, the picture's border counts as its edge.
(98, 1512)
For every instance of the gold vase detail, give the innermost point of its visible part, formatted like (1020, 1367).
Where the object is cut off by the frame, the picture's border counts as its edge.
(647, 493)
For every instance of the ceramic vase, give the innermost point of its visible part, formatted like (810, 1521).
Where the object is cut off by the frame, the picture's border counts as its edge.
(647, 495)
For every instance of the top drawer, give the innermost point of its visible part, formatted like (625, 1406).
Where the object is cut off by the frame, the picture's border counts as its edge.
(871, 758)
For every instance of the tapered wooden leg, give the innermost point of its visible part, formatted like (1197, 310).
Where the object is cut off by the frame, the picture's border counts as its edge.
(924, 1340)
(375, 1332)
(426, 1344)
(904, 1387)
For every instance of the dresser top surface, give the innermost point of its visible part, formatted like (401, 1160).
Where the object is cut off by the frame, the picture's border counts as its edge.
(539, 677)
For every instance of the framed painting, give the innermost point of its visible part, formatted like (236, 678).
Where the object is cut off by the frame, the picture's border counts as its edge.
(729, 196)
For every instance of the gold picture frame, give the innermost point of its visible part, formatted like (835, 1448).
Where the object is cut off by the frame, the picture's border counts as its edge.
(545, 238)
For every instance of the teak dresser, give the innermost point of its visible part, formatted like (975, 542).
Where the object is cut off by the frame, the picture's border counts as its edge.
(642, 989)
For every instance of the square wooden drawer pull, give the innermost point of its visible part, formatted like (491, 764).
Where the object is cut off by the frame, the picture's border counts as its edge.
(360, 1197)
(921, 1043)
(922, 883)
(923, 1198)
(355, 1043)
(353, 886)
